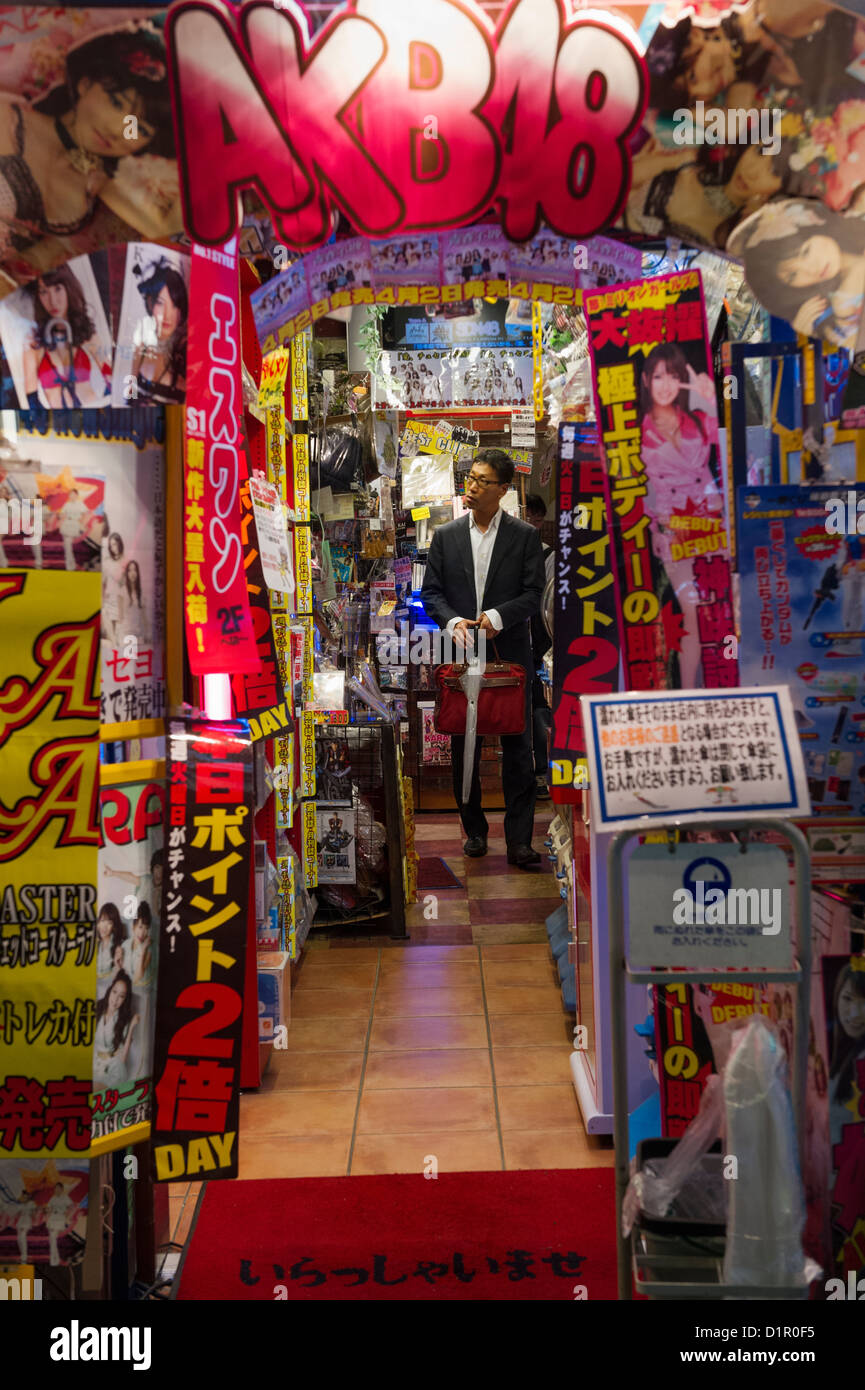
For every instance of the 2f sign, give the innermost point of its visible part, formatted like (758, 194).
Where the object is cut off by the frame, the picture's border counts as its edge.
(421, 116)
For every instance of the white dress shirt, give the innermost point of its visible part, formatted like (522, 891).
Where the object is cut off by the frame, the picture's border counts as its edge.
(482, 550)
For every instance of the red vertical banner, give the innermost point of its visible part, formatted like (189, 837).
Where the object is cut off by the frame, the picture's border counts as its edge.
(657, 417)
(219, 627)
(202, 951)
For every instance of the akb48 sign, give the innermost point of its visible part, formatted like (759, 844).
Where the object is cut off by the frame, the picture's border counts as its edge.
(405, 115)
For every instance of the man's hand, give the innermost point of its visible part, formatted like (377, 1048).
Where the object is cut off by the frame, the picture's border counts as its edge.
(486, 626)
(463, 632)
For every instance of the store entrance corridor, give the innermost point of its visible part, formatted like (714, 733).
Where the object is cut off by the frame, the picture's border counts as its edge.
(453, 1045)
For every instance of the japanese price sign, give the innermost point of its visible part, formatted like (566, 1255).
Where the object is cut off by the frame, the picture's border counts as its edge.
(310, 844)
(202, 964)
(523, 428)
(585, 634)
(657, 416)
(49, 840)
(303, 570)
(307, 753)
(693, 755)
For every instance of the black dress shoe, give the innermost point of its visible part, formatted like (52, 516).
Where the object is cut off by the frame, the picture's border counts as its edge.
(523, 856)
(475, 847)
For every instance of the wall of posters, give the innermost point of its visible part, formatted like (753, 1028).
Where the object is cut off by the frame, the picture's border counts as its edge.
(585, 630)
(59, 71)
(803, 623)
(150, 361)
(49, 838)
(57, 337)
(657, 413)
(131, 866)
(43, 1211)
(202, 951)
(129, 532)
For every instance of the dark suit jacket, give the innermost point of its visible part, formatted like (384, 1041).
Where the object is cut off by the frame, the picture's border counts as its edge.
(515, 582)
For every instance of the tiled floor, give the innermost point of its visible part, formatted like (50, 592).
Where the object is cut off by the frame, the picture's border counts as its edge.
(452, 1047)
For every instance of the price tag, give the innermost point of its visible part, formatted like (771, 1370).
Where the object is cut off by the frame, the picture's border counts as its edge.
(420, 513)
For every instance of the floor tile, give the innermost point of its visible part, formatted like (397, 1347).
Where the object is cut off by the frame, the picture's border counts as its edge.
(532, 1066)
(406, 974)
(521, 912)
(524, 999)
(336, 974)
(298, 1113)
(428, 1003)
(507, 974)
(531, 1030)
(308, 1035)
(411, 1153)
(440, 934)
(414, 956)
(565, 1148)
(518, 884)
(325, 1071)
(486, 933)
(436, 1107)
(283, 1157)
(526, 950)
(448, 911)
(331, 1003)
(407, 1070)
(416, 1034)
(539, 1107)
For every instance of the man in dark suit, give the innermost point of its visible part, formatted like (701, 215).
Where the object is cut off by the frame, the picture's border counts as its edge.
(485, 572)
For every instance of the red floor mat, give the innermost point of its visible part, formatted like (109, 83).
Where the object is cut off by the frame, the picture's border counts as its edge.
(495, 1236)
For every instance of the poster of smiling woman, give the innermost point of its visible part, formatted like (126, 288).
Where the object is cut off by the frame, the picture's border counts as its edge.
(86, 136)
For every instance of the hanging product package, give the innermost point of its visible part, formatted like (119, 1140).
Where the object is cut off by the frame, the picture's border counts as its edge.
(338, 461)
(766, 1210)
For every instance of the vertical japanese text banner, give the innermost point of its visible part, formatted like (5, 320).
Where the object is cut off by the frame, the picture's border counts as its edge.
(202, 951)
(657, 417)
(49, 841)
(219, 628)
(586, 637)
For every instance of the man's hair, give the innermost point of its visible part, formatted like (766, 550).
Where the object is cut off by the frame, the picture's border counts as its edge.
(498, 460)
(535, 504)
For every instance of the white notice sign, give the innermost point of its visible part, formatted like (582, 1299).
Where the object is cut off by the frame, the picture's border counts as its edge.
(709, 905)
(693, 755)
(523, 428)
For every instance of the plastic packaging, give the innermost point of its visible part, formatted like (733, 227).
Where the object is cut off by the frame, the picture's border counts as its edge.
(655, 1189)
(766, 1210)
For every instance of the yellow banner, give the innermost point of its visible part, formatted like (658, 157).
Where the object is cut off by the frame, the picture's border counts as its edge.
(302, 570)
(274, 370)
(300, 457)
(307, 754)
(310, 845)
(49, 841)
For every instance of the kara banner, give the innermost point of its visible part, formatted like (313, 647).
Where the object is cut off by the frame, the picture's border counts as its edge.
(202, 951)
(49, 840)
(585, 631)
(127, 931)
(803, 623)
(657, 414)
(127, 528)
(219, 631)
(421, 117)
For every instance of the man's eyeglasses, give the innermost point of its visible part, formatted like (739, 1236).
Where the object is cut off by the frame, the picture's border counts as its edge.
(481, 482)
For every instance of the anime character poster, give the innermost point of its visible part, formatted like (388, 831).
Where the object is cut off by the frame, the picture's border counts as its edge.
(131, 864)
(803, 623)
(129, 532)
(54, 517)
(150, 360)
(57, 338)
(657, 415)
(43, 1211)
(86, 95)
(746, 104)
(844, 998)
(49, 840)
(335, 843)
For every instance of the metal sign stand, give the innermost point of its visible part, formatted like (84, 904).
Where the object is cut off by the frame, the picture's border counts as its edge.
(629, 1266)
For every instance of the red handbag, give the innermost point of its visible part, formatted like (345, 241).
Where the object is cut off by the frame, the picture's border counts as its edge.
(501, 699)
